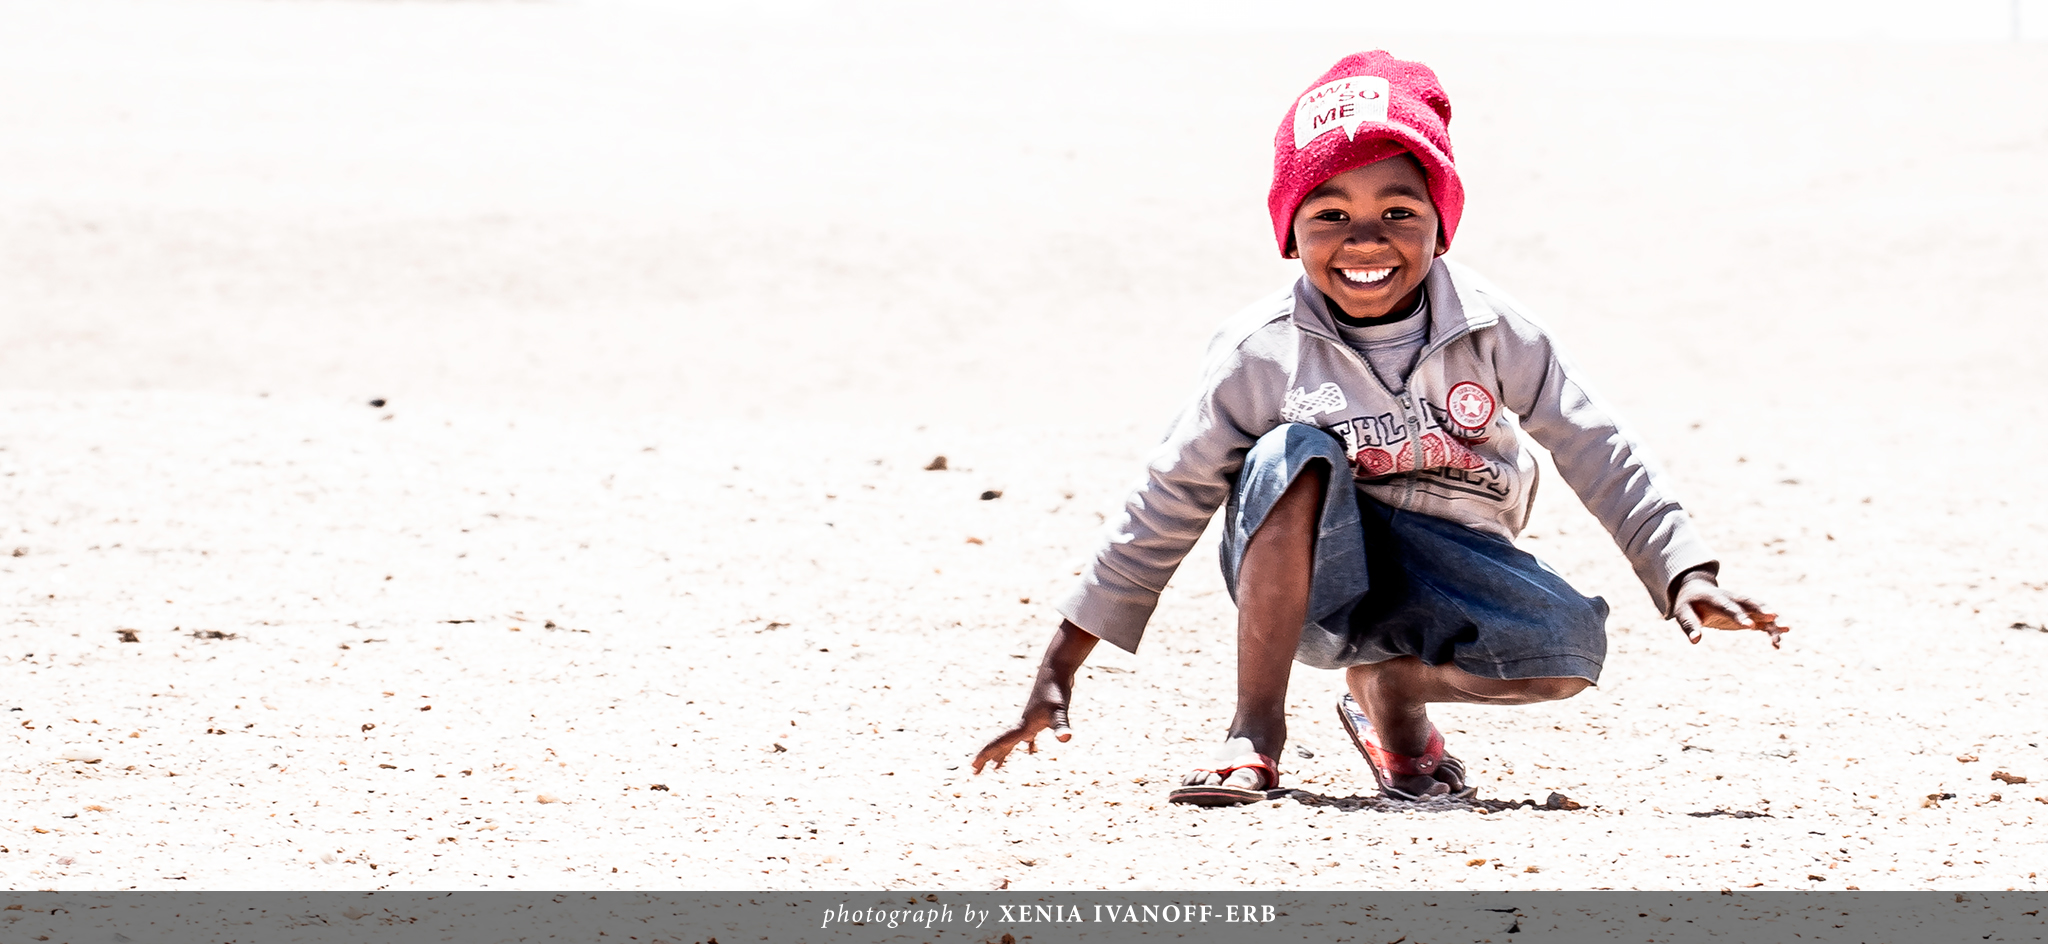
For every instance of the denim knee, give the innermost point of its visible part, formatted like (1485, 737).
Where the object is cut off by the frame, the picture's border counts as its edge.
(1286, 450)
(1271, 466)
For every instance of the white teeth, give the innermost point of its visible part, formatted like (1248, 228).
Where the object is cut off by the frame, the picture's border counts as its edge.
(1366, 276)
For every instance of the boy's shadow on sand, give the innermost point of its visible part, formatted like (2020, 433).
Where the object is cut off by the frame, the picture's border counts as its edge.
(1381, 804)
(1556, 802)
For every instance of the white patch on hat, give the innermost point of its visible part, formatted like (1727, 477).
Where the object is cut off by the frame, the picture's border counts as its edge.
(1345, 103)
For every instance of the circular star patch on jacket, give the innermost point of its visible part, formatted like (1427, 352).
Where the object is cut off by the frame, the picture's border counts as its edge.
(1469, 405)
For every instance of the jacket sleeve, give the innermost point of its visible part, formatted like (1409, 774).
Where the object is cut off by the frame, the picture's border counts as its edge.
(1187, 477)
(1609, 469)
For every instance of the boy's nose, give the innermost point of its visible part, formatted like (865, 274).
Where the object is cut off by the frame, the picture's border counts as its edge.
(1368, 231)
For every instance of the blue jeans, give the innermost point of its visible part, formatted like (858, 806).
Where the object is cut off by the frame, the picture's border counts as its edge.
(1390, 583)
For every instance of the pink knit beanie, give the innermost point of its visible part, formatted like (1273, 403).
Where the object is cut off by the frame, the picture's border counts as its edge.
(1370, 106)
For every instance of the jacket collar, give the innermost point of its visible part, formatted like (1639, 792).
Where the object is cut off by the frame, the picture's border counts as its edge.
(1454, 309)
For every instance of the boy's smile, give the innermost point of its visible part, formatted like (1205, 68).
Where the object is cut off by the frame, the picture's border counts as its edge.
(1366, 237)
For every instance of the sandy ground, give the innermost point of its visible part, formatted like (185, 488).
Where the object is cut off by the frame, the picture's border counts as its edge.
(638, 579)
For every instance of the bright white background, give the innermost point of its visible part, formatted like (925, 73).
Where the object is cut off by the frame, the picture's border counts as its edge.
(1863, 20)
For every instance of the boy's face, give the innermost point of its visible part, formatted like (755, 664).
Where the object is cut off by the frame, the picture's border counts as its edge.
(1366, 236)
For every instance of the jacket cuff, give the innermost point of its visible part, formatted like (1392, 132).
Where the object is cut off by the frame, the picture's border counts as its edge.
(1673, 548)
(1109, 607)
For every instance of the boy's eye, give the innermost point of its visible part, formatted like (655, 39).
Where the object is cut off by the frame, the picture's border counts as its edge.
(1332, 216)
(1398, 213)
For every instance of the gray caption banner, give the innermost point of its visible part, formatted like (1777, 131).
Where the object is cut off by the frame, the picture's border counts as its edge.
(858, 917)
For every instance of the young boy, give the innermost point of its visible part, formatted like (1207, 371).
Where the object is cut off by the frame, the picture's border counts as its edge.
(1357, 428)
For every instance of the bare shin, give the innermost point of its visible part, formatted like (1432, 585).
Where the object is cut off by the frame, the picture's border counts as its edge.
(1272, 604)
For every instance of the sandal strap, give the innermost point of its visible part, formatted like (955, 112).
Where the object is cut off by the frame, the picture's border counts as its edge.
(1268, 768)
(1422, 765)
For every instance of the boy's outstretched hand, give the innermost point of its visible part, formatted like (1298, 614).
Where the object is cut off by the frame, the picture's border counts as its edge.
(1700, 603)
(1046, 709)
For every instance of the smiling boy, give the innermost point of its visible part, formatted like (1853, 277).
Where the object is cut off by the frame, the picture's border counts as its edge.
(1363, 431)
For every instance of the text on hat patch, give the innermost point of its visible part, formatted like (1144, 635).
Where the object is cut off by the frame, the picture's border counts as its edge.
(1345, 103)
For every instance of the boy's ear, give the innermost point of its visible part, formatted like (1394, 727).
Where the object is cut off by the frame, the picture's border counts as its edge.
(1291, 253)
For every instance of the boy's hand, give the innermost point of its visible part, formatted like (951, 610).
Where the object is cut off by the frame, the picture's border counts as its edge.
(1046, 709)
(1050, 695)
(1700, 603)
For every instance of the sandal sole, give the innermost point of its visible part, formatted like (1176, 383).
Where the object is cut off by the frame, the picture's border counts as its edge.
(1215, 796)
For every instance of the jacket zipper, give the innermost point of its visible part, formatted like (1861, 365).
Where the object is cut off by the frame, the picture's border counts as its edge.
(1408, 410)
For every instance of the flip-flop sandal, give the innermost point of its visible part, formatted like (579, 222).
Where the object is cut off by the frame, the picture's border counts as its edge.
(1219, 794)
(1386, 764)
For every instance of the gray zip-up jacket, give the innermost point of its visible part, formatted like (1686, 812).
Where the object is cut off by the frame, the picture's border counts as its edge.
(1449, 446)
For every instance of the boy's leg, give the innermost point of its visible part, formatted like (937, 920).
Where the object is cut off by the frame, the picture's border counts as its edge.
(1396, 695)
(1273, 584)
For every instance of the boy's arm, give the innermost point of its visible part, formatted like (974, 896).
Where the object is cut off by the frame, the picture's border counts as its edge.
(1615, 478)
(1051, 693)
(1187, 477)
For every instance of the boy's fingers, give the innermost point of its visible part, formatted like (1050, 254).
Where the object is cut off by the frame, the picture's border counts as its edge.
(1754, 608)
(1761, 617)
(1025, 733)
(1735, 615)
(993, 753)
(1768, 622)
(1723, 613)
(1688, 624)
(999, 749)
